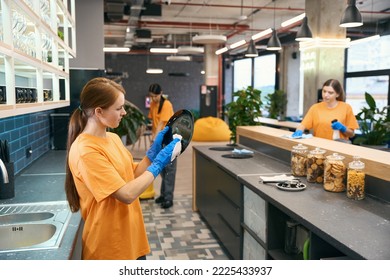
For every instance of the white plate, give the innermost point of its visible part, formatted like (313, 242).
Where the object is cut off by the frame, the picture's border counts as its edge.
(284, 187)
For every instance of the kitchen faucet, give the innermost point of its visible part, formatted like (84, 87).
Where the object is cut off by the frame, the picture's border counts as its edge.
(4, 172)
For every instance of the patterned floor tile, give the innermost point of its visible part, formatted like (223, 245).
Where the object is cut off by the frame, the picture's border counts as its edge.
(178, 233)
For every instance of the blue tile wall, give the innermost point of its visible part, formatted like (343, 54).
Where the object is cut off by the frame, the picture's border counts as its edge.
(24, 131)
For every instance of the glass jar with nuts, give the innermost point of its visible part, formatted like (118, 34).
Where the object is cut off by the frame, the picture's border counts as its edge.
(298, 160)
(334, 173)
(356, 179)
(315, 166)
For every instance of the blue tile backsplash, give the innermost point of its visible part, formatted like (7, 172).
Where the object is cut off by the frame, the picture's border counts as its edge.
(23, 132)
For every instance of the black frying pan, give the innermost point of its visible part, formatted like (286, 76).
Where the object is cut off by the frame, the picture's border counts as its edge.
(182, 123)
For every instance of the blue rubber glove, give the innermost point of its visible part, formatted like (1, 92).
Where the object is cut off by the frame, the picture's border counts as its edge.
(162, 158)
(157, 145)
(297, 134)
(339, 126)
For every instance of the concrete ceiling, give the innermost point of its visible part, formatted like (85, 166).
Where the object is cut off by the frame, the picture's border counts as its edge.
(172, 23)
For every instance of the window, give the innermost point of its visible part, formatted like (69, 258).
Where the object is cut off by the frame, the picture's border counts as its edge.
(377, 86)
(368, 56)
(242, 74)
(368, 70)
(265, 74)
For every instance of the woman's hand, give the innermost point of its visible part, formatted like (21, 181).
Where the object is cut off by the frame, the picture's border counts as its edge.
(297, 134)
(163, 158)
(156, 145)
(339, 126)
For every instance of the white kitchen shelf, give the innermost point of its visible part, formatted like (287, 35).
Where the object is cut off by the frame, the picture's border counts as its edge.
(33, 55)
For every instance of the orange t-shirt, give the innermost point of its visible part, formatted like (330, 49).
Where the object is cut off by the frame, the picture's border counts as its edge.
(319, 118)
(112, 230)
(165, 114)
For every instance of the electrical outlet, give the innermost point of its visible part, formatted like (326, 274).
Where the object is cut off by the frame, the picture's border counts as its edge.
(28, 152)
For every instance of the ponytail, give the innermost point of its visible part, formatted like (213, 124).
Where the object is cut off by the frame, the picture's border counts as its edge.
(77, 123)
(162, 99)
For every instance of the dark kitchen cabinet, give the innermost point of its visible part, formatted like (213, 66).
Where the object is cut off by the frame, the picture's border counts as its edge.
(219, 201)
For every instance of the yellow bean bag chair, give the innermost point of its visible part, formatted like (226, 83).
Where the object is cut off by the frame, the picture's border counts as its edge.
(211, 129)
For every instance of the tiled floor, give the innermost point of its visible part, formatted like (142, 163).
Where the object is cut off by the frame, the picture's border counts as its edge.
(178, 233)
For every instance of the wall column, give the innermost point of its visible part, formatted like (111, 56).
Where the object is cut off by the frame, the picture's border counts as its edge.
(211, 63)
(322, 58)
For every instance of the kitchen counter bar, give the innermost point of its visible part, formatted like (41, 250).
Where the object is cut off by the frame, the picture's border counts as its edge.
(359, 229)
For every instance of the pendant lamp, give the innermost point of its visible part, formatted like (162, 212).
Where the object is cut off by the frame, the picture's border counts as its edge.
(251, 51)
(150, 70)
(273, 42)
(352, 16)
(304, 32)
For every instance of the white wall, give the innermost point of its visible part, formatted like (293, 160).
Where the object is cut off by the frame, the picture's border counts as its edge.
(291, 80)
(89, 35)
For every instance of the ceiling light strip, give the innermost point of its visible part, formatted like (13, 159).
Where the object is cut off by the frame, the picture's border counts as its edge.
(163, 50)
(115, 49)
(221, 51)
(293, 20)
(261, 34)
(237, 44)
(154, 71)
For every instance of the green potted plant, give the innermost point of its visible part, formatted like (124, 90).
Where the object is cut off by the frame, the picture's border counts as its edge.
(276, 105)
(244, 109)
(374, 124)
(130, 123)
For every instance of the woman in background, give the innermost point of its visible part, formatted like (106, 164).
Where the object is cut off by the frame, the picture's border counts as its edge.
(102, 179)
(332, 107)
(161, 110)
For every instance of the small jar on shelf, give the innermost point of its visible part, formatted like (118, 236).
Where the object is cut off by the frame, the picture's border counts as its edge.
(315, 166)
(334, 173)
(298, 160)
(356, 179)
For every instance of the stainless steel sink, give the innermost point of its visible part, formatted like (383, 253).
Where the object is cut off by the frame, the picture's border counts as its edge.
(33, 226)
(25, 217)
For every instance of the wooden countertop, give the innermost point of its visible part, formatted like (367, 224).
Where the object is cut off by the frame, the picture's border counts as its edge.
(377, 162)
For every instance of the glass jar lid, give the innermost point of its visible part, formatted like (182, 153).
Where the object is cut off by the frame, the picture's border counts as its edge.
(317, 151)
(335, 156)
(356, 163)
(300, 147)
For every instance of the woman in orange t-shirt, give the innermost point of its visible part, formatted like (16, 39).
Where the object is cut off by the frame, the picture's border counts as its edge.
(332, 113)
(102, 180)
(161, 110)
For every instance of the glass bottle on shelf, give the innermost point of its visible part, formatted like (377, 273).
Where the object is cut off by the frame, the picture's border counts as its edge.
(290, 237)
(356, 179)
(315, 166)
(334, 173)
(298, 160)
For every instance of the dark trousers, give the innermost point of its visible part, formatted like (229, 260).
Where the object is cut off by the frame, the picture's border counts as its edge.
(168, 176)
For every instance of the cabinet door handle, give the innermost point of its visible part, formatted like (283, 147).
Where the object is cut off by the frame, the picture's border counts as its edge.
(228, 225)
(229, 200)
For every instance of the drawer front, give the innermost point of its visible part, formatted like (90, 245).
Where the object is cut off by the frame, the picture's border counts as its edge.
(255, 213)
(252, 250)
(228, 237)
(229, 211)
(228, 185)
